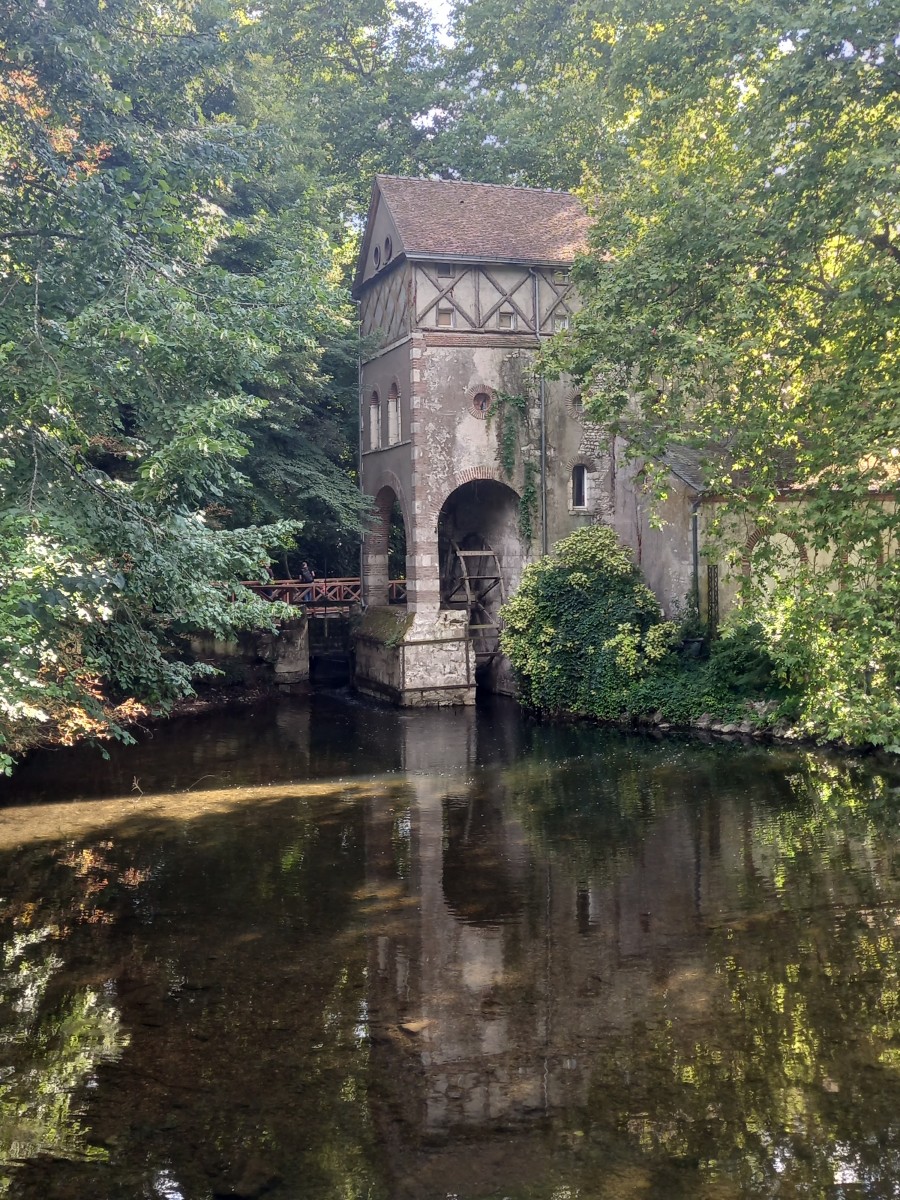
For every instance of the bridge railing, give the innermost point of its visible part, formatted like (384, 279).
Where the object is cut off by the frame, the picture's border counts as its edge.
(322, 595)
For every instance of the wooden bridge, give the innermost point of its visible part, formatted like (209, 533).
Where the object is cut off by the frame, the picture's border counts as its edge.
(322, 597)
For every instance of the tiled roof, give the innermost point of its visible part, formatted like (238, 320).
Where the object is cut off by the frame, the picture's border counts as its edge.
(446, 218)
(687, 464)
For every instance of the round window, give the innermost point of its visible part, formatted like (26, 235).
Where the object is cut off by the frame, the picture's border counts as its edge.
(480, 399)
(376, 257)
(388, 249)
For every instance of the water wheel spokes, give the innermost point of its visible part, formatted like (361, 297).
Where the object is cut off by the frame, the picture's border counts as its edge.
(478, 584)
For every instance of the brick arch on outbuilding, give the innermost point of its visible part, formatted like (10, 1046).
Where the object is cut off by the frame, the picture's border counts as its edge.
(759, 535)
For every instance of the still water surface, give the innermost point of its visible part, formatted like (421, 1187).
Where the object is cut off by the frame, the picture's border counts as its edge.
(320, 950)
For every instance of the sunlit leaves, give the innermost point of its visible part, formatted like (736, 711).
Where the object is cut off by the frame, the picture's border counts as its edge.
(742, 299)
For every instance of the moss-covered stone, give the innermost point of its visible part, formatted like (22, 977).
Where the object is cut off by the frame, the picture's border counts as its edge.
(386, 625)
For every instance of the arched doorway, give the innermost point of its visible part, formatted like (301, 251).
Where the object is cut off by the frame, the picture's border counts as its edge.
(384, 549)
(481, 558)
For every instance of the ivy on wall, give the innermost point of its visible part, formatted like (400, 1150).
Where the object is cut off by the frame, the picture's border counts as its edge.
(509, 413)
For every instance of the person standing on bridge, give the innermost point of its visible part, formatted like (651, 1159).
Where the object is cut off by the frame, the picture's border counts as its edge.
(307, 576)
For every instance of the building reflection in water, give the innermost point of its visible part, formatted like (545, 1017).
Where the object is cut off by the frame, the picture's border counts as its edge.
(523, 944)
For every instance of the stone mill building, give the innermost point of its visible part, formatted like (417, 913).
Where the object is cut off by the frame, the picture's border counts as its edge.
(458, 284)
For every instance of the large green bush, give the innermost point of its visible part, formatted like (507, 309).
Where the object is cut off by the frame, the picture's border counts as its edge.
(583, 628)
(585, 635)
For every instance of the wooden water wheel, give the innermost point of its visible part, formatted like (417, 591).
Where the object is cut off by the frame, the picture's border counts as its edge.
(477, 585)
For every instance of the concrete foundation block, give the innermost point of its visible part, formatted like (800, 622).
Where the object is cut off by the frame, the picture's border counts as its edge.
(421, 659)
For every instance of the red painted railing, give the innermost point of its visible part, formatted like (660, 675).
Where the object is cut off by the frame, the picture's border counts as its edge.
(325, 595)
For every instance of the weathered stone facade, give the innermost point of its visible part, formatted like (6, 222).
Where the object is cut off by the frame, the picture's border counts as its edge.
(458, 286)
(421, 658)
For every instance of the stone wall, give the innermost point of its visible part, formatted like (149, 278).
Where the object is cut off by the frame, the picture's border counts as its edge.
(414, 659)
(282, 657)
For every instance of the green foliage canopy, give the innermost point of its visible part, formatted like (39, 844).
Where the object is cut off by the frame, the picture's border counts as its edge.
(742, 300)
(158, 325)
(583, 627)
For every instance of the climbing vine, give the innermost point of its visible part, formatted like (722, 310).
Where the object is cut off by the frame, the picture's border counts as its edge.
(528, 502)
(509, 412)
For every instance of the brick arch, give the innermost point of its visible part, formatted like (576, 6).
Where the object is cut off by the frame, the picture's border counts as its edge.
(759, 535)
(470, 475)
(588, 461)
(376, 537)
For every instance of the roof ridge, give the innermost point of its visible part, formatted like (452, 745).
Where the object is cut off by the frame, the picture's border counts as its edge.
(507, 187)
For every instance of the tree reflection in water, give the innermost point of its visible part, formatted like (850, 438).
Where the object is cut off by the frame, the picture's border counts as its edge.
(538, 963)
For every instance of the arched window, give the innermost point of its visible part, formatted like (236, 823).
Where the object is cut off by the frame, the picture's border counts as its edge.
(579, 474)
(393, 415)
(375, 421)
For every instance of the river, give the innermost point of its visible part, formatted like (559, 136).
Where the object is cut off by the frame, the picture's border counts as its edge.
(323, 950)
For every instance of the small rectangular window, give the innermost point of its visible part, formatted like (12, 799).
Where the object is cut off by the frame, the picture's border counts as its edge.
(445, 270)
(445, 318)
(561, 276)
(560, 322)
(393, 420)
(506, 320)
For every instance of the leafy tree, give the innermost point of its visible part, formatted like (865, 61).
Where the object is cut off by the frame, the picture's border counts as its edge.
(363, 77)
(519, 102)
(142, 346)
(741, 299)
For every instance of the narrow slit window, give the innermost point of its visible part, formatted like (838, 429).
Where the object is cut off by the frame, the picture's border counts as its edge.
(579, 474)
(393, 415)
(374, 422)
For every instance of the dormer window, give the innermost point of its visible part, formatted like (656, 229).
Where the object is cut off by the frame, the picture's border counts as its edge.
(445, 271)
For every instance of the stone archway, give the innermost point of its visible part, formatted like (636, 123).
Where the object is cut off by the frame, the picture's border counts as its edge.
(385, 539)
(481, 557)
